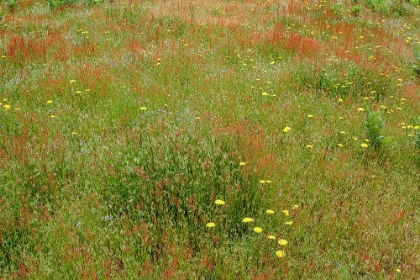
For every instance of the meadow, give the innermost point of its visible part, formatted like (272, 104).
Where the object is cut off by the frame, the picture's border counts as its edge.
(248, 139)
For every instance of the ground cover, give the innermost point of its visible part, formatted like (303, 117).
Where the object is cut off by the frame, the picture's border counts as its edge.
(209, 139)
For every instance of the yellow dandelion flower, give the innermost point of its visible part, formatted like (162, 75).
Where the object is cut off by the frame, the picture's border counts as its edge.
(7, 107)
(272, 237)
(74, 133)
(143, 108)
(72, 81)
(49, 101)
(310, 116)
(364, 145)
(247, 220)
(416, 127)
(340, 99)
(340, 145)
(398, 270)
(282, 242)
(287, 129)
(309, 146)
(288, 223)
(262, 181)
(285, 212)
(52, 116)
(258, 229)
(269, 211)
(280, 253)
(210, 225)
(360, 109)
(78, 91)
(219, 202)
(264, 93)
(242, 163)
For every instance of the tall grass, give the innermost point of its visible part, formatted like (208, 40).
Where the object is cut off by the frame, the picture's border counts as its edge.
(209, 140)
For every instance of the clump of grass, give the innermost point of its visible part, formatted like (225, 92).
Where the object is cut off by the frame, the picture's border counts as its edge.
(171, 181)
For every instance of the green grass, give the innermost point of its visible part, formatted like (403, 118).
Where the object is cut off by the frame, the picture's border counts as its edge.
(122, 122)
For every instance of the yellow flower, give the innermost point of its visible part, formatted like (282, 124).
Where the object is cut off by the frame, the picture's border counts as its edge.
(269, 211)
(398, 270)
(310, 116)
(49, 101)
(52, 116)
(280, 253)
(258, 229)
(340, 99)
(72, 81)
(364, 145)
(287, 129)
(219, 202)
(143, 108)
(7, 107)
(242, 163)
(282, 242)
(286, 212)
(309, 146)
(265, 94)
(78, 91)
(340, 145)
(288, 223)
(247, 220)
(74, 133)
(360, 109)
(295, 206)
(210, 225)
(271, 237)
(262, 181)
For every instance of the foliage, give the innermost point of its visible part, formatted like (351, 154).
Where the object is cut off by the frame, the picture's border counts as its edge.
(230, 140)
(415, 65)
(374, 125)
(355, 10)
(58, 3)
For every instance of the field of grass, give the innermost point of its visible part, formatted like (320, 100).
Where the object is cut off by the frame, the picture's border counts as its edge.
(209, 139)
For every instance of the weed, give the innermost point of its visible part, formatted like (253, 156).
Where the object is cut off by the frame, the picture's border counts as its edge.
(374, 125)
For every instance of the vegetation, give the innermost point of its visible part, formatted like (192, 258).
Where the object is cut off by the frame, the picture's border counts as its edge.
(209, 139)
